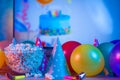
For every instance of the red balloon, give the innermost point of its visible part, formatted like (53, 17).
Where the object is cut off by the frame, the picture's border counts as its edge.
(68, 47)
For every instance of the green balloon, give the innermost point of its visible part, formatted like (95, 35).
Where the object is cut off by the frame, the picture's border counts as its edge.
(106, 49)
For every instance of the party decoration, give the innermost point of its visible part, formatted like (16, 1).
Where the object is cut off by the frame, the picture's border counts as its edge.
(115, 59)
(38, 42)
(59, 65)
(44, 2)
(115, 41)
(68, 47)
(50, 62)
(81, 76)
(69, 78)
(2, 58)
(43, 44)
(96, 42)
(23, 16)
(43, 65)
(19, 26)
(106, 49)
(10, 77)
(54, 13)
(87, 58)
(19, 77)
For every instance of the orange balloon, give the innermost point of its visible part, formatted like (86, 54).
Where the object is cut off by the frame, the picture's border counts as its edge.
(2, 58)
(44, 2)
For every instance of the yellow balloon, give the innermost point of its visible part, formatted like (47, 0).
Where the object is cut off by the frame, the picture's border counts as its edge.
(2, 58)
(87, 58)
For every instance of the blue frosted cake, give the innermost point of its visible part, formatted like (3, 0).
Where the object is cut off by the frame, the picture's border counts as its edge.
(54, 24)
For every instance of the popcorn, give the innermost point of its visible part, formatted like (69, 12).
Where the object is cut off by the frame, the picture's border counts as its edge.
(23, 58)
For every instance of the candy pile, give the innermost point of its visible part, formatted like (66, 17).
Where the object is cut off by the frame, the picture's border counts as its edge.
(23, 58)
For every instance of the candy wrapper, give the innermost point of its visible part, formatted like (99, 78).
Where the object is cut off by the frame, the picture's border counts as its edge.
(81, 76)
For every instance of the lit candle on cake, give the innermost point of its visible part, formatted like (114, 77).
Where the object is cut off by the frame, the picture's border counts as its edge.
(54, 13)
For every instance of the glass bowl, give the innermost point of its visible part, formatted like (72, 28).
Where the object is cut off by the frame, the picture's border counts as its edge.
(23, 58)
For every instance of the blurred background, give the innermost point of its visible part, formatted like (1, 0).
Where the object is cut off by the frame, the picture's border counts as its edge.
(90, 19)
(6, 19)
